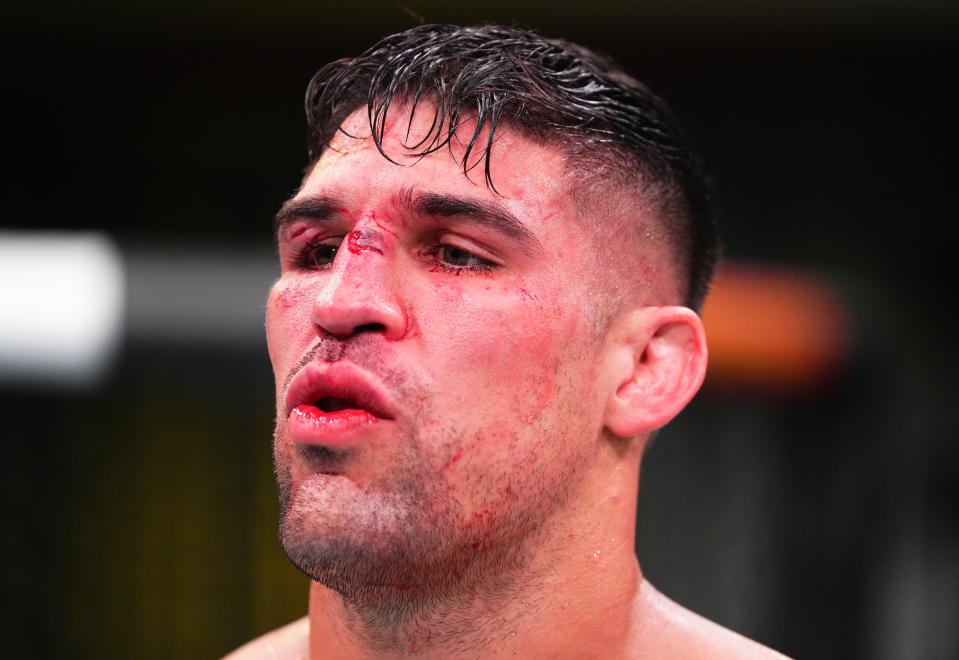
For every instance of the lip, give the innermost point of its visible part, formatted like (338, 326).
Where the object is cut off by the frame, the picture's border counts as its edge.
(309, 424)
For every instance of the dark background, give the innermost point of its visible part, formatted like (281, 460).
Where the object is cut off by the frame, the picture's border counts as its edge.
(139, 512)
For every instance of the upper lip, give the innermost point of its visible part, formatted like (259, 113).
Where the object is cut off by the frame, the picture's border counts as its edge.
(341, 380)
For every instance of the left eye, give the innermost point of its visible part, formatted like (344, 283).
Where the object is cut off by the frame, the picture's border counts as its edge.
(454, 256)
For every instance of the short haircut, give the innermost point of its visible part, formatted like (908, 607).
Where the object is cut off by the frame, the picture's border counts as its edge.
(613, 129)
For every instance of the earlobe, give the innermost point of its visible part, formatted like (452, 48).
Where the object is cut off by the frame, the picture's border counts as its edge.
(658, 363)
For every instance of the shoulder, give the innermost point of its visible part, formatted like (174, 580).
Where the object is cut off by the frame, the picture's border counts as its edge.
(672, 631)
(291, 642)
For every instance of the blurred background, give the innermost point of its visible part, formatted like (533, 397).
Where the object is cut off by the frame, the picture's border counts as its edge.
(807, 498)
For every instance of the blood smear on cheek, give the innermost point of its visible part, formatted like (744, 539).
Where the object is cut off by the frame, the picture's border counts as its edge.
(447, 293)
(293, 295)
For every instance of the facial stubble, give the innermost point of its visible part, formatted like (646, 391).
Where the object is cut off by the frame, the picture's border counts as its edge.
(402, 548)
(398, 547)
(367, 542)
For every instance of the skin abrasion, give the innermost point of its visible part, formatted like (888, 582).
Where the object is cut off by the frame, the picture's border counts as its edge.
(365, 240)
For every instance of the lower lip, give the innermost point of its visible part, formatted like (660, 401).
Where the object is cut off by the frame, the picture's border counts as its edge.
(311, 425)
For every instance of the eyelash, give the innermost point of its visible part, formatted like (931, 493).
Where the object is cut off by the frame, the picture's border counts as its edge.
(304, 258)
(483, 266)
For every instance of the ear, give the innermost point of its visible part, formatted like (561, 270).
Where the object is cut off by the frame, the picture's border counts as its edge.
(658, 361)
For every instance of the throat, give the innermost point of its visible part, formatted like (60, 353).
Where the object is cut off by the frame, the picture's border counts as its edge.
(427, 630)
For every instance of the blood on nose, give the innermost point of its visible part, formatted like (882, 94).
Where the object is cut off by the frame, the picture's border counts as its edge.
(365, 240)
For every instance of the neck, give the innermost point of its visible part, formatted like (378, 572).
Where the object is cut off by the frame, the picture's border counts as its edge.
(579, 573)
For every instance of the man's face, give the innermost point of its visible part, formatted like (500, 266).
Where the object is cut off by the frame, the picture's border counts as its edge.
(435, 356)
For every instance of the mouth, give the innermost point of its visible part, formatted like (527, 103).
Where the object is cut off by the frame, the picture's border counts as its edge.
(334, 403)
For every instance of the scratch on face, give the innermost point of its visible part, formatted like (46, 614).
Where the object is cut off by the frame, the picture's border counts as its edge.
(453, 460)
(381, 224)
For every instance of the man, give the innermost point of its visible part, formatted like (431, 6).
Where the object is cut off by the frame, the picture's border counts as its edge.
(486, 309)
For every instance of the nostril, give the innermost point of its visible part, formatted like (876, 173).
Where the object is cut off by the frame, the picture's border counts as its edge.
(369, 327)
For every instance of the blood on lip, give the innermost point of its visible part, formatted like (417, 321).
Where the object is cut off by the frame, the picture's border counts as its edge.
(312, 413)
(311, 425)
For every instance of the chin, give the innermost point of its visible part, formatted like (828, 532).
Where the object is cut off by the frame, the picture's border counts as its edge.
(369, 548)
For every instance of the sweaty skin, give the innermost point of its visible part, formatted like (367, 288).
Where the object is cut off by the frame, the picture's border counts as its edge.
(488, 509)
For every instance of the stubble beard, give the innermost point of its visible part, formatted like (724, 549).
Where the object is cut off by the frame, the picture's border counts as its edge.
(375, 544)
(399, 552)
(371, 543)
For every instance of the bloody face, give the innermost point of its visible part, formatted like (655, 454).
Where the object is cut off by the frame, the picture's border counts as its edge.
(435, 356)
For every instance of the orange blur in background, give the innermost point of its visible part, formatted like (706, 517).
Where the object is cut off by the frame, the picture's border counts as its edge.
(779, 330)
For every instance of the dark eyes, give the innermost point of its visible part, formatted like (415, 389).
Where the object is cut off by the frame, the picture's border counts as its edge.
(443, 257)
(318, 256)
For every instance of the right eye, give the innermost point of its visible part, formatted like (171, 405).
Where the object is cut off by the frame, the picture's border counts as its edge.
(318, 255)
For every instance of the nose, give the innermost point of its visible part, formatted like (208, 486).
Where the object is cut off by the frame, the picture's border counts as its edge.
(359, 296)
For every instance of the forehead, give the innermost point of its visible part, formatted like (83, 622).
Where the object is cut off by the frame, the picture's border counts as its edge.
(527, 176)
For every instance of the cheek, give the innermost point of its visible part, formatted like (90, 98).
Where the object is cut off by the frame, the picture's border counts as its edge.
(498, 320)
(292, 294)
(502, 344)
(288, 310)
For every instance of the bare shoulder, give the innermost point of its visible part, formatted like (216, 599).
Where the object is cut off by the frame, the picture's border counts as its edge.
(291, 642)
(669, 630)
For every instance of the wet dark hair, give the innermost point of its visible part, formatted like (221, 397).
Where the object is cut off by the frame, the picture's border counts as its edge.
(614, 130)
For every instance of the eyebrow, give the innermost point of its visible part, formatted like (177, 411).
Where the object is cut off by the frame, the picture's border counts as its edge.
(320, 207)
(484, 213)
(481, 212)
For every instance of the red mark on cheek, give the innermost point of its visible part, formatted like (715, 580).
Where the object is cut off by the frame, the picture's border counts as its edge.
(485, 518)
(412, 329)
(293, 296)
(462, 450)
(453, 460)
(543, 395)
(482, 516)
